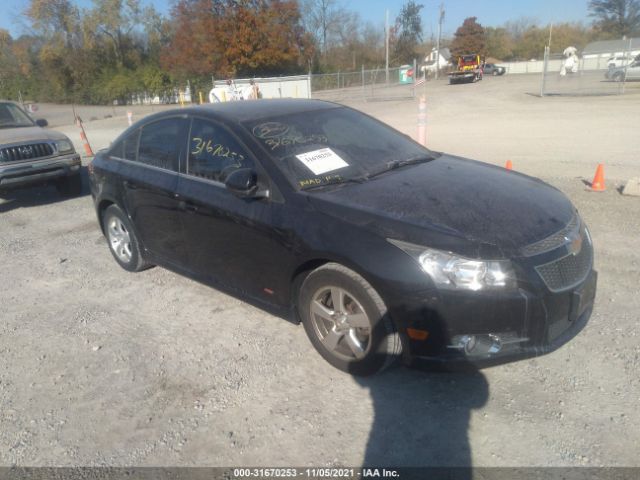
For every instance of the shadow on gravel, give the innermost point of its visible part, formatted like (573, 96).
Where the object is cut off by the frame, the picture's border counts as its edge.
(422, 419)
(38, 195)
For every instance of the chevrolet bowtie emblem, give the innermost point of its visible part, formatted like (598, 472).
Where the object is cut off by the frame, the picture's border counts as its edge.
(574, 243)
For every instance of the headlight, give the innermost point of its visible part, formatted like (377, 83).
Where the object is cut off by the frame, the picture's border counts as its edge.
(64, 146)
(453, 271)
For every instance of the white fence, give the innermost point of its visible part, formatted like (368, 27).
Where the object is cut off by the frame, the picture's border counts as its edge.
(587, 62)
(298, 86)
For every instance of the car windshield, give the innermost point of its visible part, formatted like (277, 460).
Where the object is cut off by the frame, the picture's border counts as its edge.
(334, 146)
(12, 116)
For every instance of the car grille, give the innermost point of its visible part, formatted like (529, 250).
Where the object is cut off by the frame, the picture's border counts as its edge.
(552, 242)
(570, 270)
(25, 152)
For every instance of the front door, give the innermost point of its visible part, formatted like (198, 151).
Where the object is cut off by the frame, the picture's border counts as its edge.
(242, 243)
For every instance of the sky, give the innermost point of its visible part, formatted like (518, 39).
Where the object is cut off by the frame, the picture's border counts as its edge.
(489, 13)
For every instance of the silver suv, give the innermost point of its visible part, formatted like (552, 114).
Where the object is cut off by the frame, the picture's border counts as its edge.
(30, 154)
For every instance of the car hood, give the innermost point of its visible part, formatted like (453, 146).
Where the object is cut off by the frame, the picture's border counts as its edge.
(453, 203)
(28, 134)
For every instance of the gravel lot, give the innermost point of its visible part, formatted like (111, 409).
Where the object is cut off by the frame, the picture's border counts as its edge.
(103, 367)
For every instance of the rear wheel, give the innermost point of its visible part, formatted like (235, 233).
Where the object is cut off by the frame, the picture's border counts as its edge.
(70, 186)
(122, 240)
(347, 321)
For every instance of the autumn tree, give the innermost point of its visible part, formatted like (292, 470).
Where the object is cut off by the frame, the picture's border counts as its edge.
(516, 28)
(228, 38)
(570, 34)
(616, 18)
(323, 19)
(114, 22)
(469, 38)
(498, 43)
(8, 70)
(407, 33)
(58, 23)
(531, 44)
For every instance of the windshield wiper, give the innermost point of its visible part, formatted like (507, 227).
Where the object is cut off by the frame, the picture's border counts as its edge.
(395, 164)
(335, 182)
(391, 165)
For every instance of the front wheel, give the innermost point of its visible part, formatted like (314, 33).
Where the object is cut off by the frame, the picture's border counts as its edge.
(123, 242)
(347, 321)
(618, 77)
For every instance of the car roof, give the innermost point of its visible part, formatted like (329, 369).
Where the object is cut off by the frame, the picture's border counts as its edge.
(240, 111)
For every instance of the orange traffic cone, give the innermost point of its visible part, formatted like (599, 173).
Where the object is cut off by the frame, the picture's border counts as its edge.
(83, 137)
(598, 180)
(509, 165)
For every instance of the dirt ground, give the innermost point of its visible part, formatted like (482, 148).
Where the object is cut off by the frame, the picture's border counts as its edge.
(103, 367)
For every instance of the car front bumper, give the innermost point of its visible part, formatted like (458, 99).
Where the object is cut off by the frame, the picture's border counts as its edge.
(503, 326)
(18, 174)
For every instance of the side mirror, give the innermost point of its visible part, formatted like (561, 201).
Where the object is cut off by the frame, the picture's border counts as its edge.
(41, 122)
(243, 183)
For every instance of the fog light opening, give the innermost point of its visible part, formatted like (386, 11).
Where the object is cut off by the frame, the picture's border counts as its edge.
(477, 345)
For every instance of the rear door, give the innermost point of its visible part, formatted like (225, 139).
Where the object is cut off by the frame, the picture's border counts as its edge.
(149, 185)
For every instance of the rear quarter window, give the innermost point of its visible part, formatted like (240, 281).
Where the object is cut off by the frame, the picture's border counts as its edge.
(160, 143)
(127, 147)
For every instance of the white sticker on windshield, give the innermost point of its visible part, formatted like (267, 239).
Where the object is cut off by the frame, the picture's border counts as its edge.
(322, 161)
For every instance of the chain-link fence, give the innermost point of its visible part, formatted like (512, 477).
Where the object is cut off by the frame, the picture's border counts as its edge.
(592, 73)
(370, 84)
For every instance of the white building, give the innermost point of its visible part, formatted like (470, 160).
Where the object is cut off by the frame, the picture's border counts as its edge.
(611, 48)
(430, 63)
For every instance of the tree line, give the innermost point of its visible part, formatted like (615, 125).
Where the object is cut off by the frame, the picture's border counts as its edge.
(117, 47)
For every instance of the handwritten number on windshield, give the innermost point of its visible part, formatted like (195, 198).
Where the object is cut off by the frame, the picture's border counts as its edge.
(214, 149)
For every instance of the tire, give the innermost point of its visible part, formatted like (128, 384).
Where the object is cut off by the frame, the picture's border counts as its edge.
(365, 347)
(495, 73)
(70, 186)
(122, 240)
(618, 77)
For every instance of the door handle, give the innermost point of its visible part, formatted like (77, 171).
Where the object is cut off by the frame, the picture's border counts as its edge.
(129, 185)
(187, 206)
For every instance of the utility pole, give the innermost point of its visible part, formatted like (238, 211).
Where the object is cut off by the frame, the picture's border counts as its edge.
(386, 45)
(441, 19)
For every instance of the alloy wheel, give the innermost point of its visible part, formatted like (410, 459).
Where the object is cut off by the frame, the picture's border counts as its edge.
(341, 323)
(119, 239)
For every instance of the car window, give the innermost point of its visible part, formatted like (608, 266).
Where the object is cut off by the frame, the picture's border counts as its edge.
(160, 143)
(131, 145)
(12, 116)
(332, 145)
(127, 147)
(214, 152)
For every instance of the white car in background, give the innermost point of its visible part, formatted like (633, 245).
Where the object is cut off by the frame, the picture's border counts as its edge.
(624, 73)
(619, 61)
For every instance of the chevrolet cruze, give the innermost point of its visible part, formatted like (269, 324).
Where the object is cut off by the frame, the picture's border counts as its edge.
(381, 248)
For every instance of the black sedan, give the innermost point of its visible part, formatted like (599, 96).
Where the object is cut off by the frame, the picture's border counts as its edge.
(493, 69)
(380, 247)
